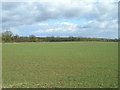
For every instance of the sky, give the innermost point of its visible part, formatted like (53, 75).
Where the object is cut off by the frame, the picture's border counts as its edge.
(62, 18)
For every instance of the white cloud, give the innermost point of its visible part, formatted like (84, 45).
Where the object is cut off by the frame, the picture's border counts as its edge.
(42, 24)
(101, 16)
(58, 27)
(87, 29)
(32, 12)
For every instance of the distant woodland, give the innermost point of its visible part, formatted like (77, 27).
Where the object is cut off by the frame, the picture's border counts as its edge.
(8, 36)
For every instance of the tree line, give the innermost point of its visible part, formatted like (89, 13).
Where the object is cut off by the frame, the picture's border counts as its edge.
(8, 36)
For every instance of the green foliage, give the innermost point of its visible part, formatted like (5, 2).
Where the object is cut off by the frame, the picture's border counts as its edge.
(61, 65)
(9, 37)
(32, 38)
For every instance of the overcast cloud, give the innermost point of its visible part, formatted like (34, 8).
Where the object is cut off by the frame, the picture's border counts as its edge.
(101, 17)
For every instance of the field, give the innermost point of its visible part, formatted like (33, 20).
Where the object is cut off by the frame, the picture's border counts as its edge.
(60, 65)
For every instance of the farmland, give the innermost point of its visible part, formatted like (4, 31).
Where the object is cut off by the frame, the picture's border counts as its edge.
(60, 65)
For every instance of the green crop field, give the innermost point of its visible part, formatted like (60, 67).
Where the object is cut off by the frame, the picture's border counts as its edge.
(60, 65)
